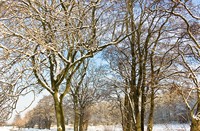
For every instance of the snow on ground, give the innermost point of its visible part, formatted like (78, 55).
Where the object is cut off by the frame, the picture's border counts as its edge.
(171, 127)
(157, 127)
(105, 128)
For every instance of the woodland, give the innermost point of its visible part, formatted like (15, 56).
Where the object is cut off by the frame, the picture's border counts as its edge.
(132, 63)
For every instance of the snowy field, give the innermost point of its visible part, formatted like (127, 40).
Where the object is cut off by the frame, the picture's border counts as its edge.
(158, 127)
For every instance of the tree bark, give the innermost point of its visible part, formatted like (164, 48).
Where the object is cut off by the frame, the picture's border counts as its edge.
(59, 112)
(137, 113)
(85, 125)
(76, 119)
(143, 109)
(83, 119)
(76, 114)
(123, 112)
(126, 115)
(151, 114)
(81, 122)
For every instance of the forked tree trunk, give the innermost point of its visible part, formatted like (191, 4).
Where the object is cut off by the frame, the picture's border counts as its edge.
(59, 112)
(195, 125)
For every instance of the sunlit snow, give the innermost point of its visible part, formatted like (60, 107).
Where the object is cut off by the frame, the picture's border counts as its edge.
(157, 127)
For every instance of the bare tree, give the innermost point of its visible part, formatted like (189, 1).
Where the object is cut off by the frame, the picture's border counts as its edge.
(188, 14)
(42, 115)
(46, 41)
(188, 81)
(8, 102)
(143, 61)
(188, 87)
(18, 121)
(8, 98)
(88, 87)
(105, 113)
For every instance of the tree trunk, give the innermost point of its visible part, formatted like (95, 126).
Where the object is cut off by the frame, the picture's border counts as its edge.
(126, 115)
(81, 122)
(137, 113)
(48, 123)
(150, 120)
(195, 125)
(39, 123)
(127, 122)
(83, 119)
(59, 112)
(143, 108)
(123, 113)
(126, 110)
(76, 116)
(130, 117)
(85, 125)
